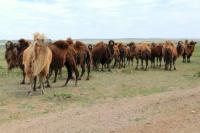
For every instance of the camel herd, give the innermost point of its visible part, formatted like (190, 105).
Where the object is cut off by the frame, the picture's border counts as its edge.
(39, 59)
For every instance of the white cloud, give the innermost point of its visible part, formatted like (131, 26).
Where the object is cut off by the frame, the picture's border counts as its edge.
(98, 18)
(102, 4)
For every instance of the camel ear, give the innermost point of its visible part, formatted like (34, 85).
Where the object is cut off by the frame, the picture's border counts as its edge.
(180, 42)
(131, 44)
(8, 44)
(90, 46)
(193, 43)
(111, 43)
(15, 50)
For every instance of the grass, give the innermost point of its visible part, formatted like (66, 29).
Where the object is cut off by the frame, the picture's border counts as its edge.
(102, 87)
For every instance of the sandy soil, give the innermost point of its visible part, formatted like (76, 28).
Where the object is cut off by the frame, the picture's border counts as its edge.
(170, 112)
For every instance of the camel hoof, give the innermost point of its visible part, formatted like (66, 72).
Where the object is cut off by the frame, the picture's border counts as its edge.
(75, 84)
(64, 85)
(22, 83)
(29, 93)
(47, 86)
(43, 92)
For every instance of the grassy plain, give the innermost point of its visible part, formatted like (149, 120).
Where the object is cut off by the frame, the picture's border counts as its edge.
(102, 87)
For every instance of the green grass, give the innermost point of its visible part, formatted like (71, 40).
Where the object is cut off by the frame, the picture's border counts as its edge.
(102, 87)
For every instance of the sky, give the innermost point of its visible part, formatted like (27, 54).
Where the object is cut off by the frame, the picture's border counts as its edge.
(79, 19)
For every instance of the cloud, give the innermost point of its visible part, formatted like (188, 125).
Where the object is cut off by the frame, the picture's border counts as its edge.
(99, 18)
(104, 4)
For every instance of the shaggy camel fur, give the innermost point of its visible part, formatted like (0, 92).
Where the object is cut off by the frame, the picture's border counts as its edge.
(36, 60)
(142, 52)
(171, 53)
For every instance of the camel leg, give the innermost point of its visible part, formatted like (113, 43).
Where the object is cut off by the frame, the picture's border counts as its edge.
(156, 62)
(97, 66)
(31, 86)
(166, 64)
(160, 60)
(50, 72)
(108, 66)
(82, 72)
(75, 69)
(41, 83)
(124, 60)
(102, 67)
(118, 62)
(188, 59)
(151, 62)
(60, 72)
(34, 85)
(114, 64)
(88, 71)
(142, 63)
(69, 71)
(184, 58)
(94, 66)
(23, 80)
(47, 80)
(171, 64)
(128, 60)
(56, 73)
(131, 61)
(71, 67)
(121, 62)
(146, 64)
(137, 63)
(174, 65)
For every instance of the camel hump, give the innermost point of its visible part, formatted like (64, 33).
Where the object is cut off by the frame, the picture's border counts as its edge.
(61, 44)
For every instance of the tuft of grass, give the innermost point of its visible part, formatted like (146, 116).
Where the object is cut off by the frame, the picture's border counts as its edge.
(26, 106)
(62, 96)
(15, 116)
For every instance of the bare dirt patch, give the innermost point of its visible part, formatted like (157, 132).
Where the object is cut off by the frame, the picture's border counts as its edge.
(176, 111)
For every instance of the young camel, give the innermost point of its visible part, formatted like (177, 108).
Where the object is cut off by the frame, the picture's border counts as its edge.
(36, 60)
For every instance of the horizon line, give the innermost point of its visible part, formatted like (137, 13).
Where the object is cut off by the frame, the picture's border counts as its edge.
(121, 38)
